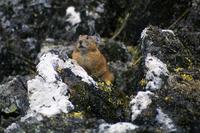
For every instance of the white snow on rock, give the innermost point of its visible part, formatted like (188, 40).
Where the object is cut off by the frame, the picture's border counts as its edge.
(165, 121)
(74, 17)
(120, 127)
(156, 69)
(139, 103)
(47, 93)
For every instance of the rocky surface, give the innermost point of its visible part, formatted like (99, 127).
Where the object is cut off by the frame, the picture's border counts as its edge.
(156, 68)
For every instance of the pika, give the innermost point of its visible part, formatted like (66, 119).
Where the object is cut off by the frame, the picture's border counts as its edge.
(90, 58)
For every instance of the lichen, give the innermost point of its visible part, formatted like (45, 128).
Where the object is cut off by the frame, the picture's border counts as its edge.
(143, 82)
(186, 77)
(104, 86)
(78, 115)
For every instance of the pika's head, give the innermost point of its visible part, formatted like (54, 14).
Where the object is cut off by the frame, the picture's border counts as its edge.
(86, 43)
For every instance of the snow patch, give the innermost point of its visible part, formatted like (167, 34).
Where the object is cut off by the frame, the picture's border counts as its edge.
(74, 17)
(156, 69)
(120, 127)
(165, 121)
(139, 103)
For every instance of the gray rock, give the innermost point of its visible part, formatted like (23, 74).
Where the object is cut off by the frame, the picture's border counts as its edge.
(13, 100)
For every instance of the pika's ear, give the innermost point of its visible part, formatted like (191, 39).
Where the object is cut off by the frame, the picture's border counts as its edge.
(96, 38)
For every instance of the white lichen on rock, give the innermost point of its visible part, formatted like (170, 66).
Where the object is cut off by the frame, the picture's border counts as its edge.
(79, 71)
(120, 127)
(168, 31)
(48, 98)
(74, 17)
(48, 65)
(156, 70)
(139, 103)
(156, 73)
(47, 92)
(165, 121)
(144, 33)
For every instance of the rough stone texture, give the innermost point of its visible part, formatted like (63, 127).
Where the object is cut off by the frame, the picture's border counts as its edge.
(181, 100)
(13, 100)
(172, 95)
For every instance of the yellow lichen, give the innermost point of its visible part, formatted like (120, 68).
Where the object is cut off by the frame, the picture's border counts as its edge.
(59, 69)
(168, 98)
(105, 86)
(143, 82)
(186, 77)
(189, 63)
(119, 102)
(135, 52)
(109, 83)
(79, 115)
(178, 69)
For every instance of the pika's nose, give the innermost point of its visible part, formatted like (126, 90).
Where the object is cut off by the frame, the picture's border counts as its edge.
(81, 44)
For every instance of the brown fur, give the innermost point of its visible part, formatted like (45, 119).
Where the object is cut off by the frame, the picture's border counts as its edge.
(91, 59)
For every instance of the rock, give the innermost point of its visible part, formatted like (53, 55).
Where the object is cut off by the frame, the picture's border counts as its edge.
(144, 106)
(169, 95)
(120, 127)
(120, 63)
(156, 87)
(13, 100)
(49, 96)
(114, 51)
(140, 102)
(160, 43)
(181, 99)
(189, 31)
(145, 12)
(59, 123)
